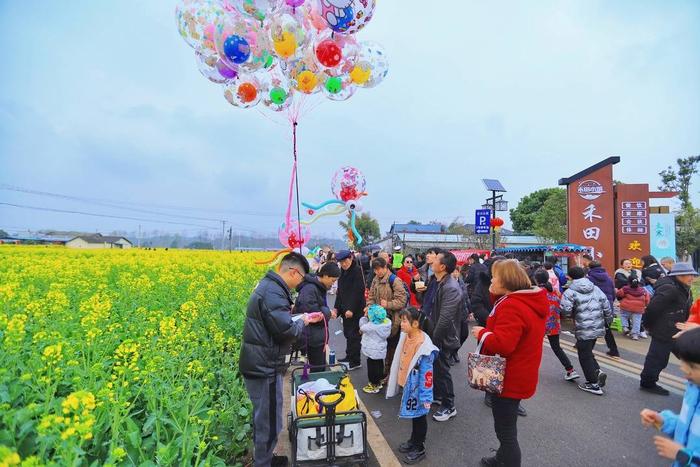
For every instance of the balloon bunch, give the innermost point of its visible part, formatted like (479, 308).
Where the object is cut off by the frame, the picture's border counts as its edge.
(272, 51)
(348, 186)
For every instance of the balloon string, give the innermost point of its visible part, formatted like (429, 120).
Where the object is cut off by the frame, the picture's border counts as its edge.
(296, 182)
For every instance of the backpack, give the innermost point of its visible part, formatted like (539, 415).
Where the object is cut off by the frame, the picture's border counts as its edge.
(392, 278)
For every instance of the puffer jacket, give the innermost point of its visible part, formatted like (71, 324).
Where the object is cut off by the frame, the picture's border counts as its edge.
(447, 314)
(312, 298)
(481, 299)
(634, 299)
(268, 331)
(374, 338)
(407, 276)
(589, 307)
(394, 294)
(418, 389)
(669, 305)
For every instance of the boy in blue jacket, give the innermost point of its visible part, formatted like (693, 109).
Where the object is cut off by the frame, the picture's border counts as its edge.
(412, 369)
(684, 428)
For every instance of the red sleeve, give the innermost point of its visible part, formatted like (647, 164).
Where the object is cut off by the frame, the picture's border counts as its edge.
(506, 331)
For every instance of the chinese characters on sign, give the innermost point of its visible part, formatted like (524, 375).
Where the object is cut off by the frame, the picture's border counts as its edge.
(589, 214)
(635, 218)
(635, 246)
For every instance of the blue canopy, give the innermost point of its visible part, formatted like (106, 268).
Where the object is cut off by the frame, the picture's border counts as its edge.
(558, 248)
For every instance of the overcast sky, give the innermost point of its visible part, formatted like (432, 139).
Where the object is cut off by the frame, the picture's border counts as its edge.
(102, 99)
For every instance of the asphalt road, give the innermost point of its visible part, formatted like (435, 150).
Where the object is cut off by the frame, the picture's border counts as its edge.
(564, 426)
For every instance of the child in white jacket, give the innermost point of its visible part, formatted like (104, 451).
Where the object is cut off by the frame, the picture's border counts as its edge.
(375, 328)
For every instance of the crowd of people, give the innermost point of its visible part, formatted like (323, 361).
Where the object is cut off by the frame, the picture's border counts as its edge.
(408, 316)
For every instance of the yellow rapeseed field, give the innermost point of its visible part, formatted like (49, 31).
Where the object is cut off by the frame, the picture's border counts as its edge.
(122, 357)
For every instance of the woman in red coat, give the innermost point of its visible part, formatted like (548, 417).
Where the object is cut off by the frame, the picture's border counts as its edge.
(515, 330)
(409, 273)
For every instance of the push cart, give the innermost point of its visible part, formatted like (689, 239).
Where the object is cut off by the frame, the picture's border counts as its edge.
(329, 437)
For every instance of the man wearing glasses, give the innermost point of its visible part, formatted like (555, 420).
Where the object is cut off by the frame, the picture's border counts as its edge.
(268, 333)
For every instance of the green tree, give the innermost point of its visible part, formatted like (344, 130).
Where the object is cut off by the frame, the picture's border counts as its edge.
(412, 222)
(550, 220)
(679, 180)
(367, 226)
(523, 216)
(687, 218)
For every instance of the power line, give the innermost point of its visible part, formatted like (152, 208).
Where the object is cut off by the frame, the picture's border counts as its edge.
(38, 208)
(5, 186)
(106, 203)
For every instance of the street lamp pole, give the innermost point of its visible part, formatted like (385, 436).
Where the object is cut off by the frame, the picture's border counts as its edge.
(493, 216)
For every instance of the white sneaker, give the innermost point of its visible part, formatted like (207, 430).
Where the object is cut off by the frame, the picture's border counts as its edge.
(443, 415)
(571, 375)
(643, 335)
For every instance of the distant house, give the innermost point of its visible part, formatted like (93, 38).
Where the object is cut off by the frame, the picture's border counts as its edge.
(98, 241)
(397, 229)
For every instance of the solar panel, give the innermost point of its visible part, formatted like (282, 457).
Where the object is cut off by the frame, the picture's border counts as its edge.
(493, 185)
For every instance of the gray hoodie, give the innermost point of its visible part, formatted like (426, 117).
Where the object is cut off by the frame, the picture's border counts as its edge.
(589, 307)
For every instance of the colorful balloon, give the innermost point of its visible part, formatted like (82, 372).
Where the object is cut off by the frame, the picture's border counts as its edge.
(289, 38)
(292, 235)
(338, 89)
(337, 13)
(243, 93)
(348, 183)
(277, 93)
(361, 73)
(258, 9)
(195, 21)
(236, 49)
(362, 13)
(329, 53)
(208, 66)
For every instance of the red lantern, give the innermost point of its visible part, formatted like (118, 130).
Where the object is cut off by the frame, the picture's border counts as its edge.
(329, 53)
(496, 222)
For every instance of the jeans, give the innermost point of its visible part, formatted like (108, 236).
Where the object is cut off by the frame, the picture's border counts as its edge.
(353, 338)
(375, 371)
(419, 431)
(589, 364)
(631, 320)
(316, 356)
(505, 419)
(266, 396)
(561, 355)
(656, 360)
(444, 389)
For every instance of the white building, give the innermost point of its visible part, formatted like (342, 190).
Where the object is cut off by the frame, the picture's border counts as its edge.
(98, 241)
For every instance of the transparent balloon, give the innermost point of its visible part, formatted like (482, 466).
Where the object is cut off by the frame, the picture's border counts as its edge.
(257, 9)
(312, 15)
(278, 93)
(244, 92)
(293, 235)
(196, 20)
(243, 43)
(372, 55)
(288, 37)
(305, 74)
(348, 183)
(209, 67)
(337, 88)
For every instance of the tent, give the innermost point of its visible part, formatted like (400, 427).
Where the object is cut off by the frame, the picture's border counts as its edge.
(463, 255)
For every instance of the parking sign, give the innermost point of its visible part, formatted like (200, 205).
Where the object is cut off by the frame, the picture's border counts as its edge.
(482, 221)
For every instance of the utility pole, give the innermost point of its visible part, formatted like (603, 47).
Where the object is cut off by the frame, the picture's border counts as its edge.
(223, 234)
(230, 232)
(138, 240)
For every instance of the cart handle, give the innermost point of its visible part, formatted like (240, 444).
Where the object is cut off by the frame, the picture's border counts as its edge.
(329, 392)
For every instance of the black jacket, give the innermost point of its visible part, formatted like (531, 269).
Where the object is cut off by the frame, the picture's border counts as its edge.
(312, 298)
(447, 314)
(475, 271)
(480, 299)
(268, 331)
(669, 305)
(351, 295)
